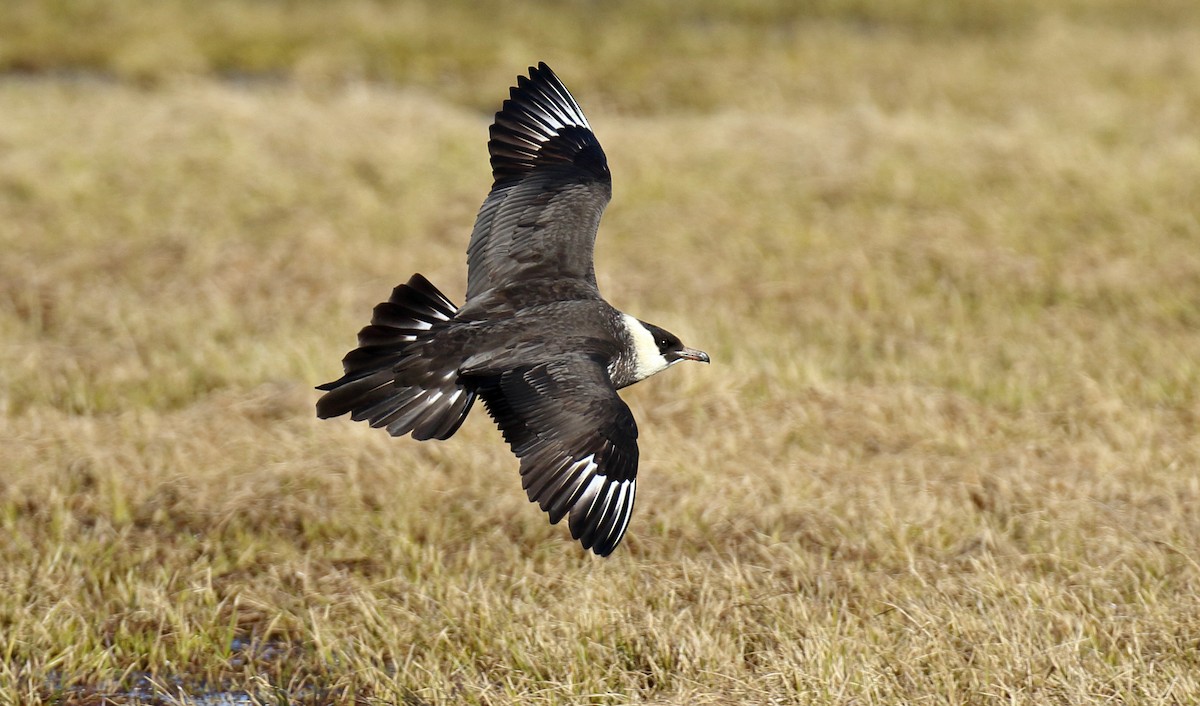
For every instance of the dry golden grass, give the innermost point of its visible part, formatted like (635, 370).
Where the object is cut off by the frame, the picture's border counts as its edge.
(947, 267)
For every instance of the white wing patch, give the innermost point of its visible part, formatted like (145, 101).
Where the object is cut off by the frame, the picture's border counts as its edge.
(562, 111)
(592, 492)
(620, 507)
(611, 504)
(585, 467)
(545, 109)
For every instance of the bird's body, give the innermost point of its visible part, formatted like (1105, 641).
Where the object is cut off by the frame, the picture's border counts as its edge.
(534, 339)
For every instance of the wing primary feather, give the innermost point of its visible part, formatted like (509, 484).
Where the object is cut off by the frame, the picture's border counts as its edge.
(612, 512)
(590, 518)
(565, 99)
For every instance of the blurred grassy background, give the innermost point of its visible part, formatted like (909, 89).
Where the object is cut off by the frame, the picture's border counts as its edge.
(692, 55)
(944, 256)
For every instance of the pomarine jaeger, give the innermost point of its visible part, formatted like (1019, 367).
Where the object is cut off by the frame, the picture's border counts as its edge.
(534, 340)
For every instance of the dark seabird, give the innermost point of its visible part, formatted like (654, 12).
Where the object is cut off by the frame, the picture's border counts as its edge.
(534, 340)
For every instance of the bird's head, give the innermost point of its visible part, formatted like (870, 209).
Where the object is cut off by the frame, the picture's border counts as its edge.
(655, 349)
(671, 348)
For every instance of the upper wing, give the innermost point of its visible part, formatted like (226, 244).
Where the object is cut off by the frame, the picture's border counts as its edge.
(551, 184)
(577, 442)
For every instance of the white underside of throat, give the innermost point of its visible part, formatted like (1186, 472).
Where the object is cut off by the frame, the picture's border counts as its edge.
(647, 359)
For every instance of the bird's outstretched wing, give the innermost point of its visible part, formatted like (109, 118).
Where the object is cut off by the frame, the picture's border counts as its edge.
(537, 228)
(577, 442)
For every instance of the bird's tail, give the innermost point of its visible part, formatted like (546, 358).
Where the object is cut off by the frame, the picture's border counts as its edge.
(425, 397)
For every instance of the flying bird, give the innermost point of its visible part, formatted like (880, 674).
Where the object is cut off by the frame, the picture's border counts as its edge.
(535, 340)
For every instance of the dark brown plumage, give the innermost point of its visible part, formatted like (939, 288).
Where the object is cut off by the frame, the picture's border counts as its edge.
(534, 339)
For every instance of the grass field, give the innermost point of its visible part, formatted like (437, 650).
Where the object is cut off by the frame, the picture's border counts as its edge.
(945, 257)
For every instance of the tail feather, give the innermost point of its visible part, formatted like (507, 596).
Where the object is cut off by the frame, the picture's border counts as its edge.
(430, 403)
